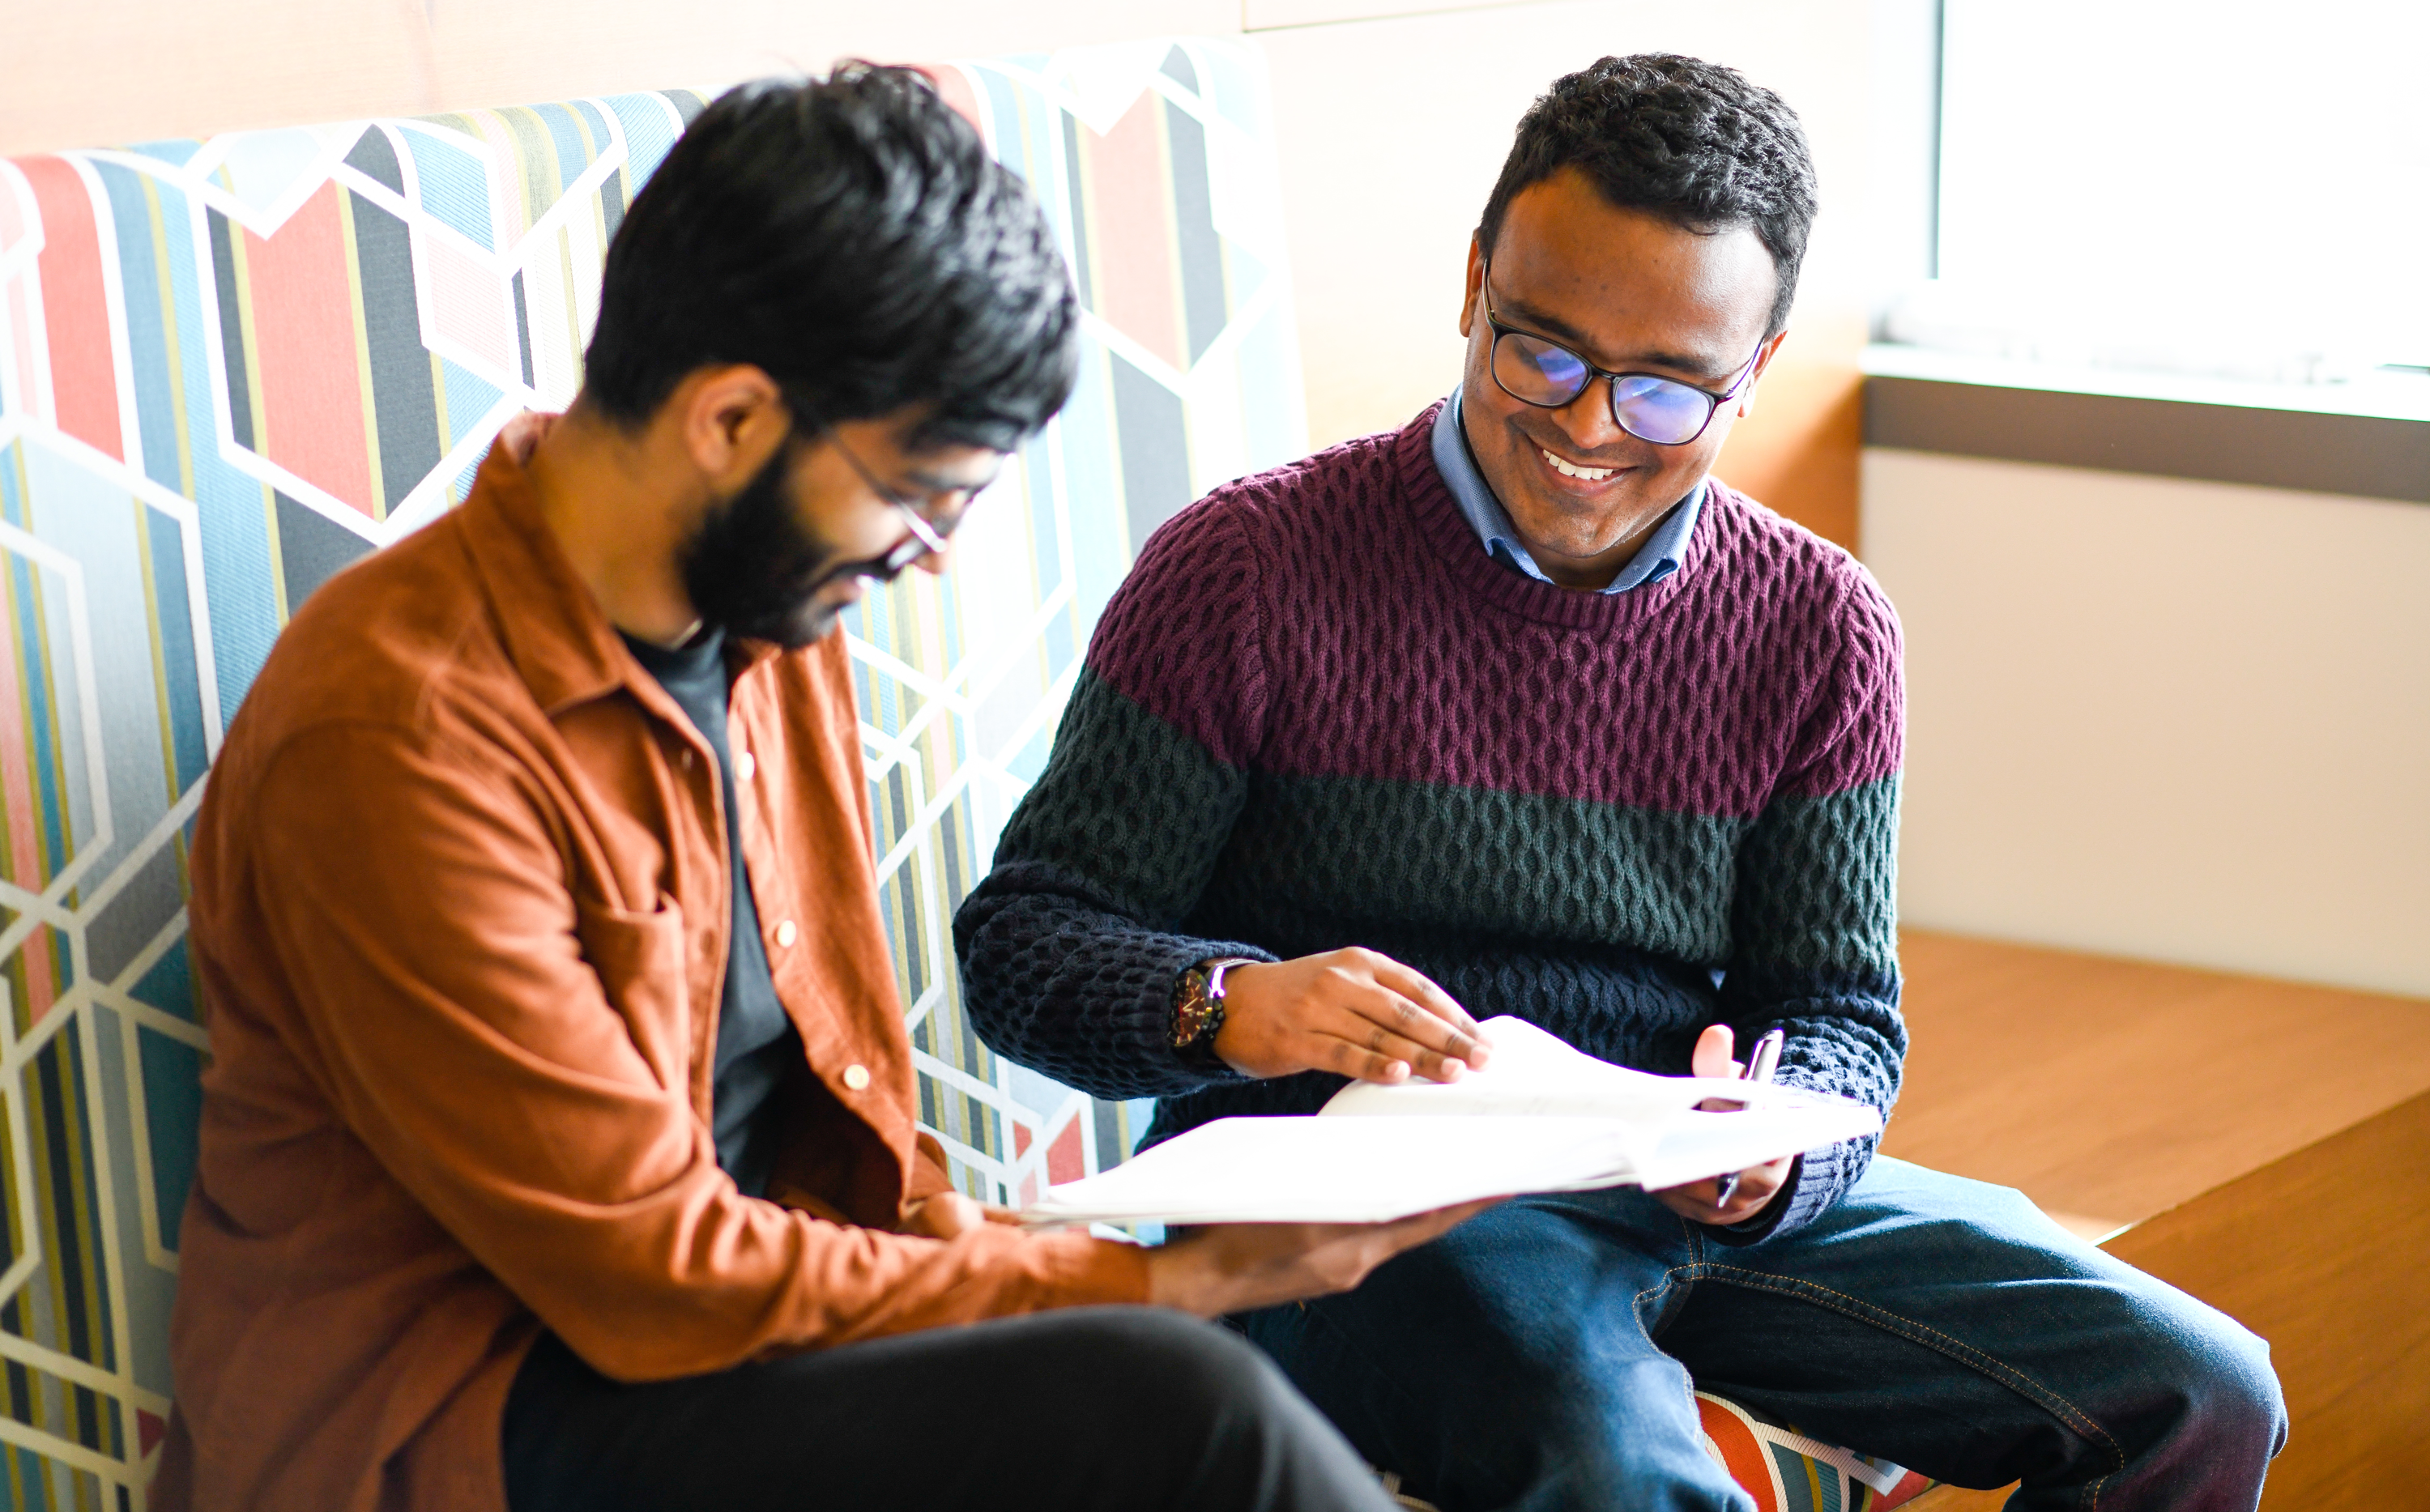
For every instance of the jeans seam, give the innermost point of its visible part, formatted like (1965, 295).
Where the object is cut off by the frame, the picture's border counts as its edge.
(2015, 1380)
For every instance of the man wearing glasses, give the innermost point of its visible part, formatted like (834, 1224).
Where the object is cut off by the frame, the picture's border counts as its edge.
(557, 1148)
(1521, 711)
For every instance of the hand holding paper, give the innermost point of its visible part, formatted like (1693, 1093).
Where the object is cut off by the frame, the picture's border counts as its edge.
(1541, 1117)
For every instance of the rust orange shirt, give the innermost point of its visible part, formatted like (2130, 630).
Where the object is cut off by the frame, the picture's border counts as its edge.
(460, 916)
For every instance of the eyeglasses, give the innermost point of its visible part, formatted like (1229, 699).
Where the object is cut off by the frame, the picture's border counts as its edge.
(1545, 374)
(926, 538)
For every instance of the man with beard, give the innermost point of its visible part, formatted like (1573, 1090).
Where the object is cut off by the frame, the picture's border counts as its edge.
(558, 1147)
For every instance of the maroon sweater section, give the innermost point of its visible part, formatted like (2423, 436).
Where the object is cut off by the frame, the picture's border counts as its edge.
(1742, 660)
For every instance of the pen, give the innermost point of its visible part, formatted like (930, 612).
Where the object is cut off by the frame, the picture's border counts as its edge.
(1762, 1063)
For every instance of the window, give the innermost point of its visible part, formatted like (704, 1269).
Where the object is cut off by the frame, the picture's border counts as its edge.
(2216, 186)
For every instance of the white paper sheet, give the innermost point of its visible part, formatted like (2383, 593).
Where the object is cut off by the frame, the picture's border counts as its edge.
(1543, 1117)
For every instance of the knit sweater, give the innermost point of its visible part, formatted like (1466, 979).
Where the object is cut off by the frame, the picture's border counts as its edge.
(1317, 715)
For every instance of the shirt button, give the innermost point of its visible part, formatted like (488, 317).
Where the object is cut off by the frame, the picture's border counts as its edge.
(686, 758)
(744, 765)
(786, 934)
(856, 1078)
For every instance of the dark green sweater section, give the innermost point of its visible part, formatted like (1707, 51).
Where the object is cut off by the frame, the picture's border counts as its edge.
(1316, 715)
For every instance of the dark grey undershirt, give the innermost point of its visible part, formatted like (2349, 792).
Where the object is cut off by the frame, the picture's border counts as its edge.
(758, 1046)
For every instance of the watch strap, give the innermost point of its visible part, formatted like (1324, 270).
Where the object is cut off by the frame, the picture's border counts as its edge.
(1197, 1015)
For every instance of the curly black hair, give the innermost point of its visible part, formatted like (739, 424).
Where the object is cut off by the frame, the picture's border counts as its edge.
(1689, 140)
(850, 236)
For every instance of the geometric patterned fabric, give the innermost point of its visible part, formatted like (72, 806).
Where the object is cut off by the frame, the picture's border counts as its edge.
(230, 366)
(1786, 1471)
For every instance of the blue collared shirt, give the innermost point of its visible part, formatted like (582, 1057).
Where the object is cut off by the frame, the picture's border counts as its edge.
(1655, 561)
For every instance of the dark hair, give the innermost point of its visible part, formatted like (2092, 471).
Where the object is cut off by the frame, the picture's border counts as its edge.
(1689, 140)
(850, 236)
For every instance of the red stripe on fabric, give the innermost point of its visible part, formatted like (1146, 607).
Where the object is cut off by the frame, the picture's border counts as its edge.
(19, 861)
(75, 309)
(304, 346)
(1063, 1158)
(955, 87)
(1136, 268)
(21, 337)
(1733, 1434)
(13, 219)
(39, 960)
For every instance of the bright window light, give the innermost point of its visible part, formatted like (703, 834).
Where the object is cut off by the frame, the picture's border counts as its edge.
(2197, 186)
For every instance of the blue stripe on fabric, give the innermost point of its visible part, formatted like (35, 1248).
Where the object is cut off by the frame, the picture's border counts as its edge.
(573, 156)
(469, 399)
(1012, 147)
(1038, 486)
(187, 279)
(146, 325)
(176, 151)
(169, 986)
(173, 1105)
(234, 513)
(229, 505)
(41, 733)
(648, 134)
(596, 126)
(94, 521)
(454, 186)
(176, 650)
(1091, 484)
(1234, 86)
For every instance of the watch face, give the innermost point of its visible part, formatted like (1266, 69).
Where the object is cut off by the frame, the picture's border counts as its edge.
(1191, 1014)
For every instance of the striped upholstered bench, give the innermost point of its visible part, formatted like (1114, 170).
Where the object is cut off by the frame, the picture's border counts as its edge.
(229, 367)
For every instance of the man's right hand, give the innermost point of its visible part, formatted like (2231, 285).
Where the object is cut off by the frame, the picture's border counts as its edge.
(1233, 1268)
(1351, 1011)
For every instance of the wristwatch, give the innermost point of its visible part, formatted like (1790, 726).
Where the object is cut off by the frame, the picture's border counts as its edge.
(1198, 1013)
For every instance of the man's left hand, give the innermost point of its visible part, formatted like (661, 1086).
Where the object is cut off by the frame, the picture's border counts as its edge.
(1758, 1185)
(950, 1215)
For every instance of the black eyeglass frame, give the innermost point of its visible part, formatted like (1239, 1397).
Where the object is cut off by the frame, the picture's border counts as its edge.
(926, 538)
(1713, 402)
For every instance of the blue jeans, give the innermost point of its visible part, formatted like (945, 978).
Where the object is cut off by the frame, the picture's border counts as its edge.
(1540, 1355)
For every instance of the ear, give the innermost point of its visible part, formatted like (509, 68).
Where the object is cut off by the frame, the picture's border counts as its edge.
(730, 419)
(1755, 380)
(1469, 306)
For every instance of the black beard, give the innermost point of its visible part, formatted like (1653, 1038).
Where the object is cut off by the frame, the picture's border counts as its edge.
(754, 570)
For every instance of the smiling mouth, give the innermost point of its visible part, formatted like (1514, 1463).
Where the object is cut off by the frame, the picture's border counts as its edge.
(1569, 469)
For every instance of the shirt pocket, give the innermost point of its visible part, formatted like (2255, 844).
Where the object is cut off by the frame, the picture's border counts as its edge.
(639, 961)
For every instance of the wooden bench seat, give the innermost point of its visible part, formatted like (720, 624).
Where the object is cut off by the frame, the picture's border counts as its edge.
(2264, 1145)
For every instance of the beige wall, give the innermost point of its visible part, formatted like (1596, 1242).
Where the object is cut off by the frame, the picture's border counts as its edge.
(2188, 722)
(1393, 131)
(1394, 116)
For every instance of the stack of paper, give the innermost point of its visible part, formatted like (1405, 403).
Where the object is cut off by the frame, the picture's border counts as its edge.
(1542, 1116)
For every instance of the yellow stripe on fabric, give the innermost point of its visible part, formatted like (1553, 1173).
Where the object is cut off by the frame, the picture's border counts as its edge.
(595, 149)
(1084, 194)
(160, 648)
(26, 732)
(362, 352)
(493, 134)
(169, 336)
(277, 554)
(42, 653)
(567, 286)
(1157, 109)
(16, 1223)
(244, 281)
(439, 404)
(534, 148)
(78, 1208)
